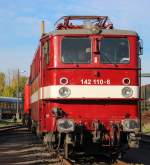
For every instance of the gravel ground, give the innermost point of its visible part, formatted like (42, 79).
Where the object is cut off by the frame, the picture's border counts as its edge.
(138, 156)
(20, 147)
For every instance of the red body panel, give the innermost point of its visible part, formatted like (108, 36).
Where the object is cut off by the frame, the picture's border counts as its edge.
(27, 99)
(91, 73)
(86, 112)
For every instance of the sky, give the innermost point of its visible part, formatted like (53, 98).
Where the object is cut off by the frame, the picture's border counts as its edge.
(20, 25)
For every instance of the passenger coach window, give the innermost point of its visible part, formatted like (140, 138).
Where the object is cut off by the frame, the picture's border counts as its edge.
(76, 50)
(114, 50)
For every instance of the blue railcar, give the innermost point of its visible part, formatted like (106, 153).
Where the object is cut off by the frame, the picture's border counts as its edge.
(8, 107)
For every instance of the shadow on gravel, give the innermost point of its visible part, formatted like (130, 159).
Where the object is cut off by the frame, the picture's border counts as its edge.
(20, 147)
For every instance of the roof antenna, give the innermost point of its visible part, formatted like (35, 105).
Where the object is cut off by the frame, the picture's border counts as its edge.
(42, 28)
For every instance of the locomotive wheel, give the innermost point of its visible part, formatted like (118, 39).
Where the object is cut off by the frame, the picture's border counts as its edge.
(33, 127)
(68, 147)
(66, 150)
(52, 140)
(38, 133)
(33, 130)
(29, 124)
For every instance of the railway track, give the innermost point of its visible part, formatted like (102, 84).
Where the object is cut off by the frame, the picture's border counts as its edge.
(145, 138)
(118, 162)
(44, 156)
(63, 161)
(60, 159)
(8, 128)
(19, 146)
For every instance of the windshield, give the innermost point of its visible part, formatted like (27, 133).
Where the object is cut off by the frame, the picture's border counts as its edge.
(114, 51)
(76, 50)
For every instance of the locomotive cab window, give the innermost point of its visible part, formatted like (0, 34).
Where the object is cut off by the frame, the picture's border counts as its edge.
(76, 50)
(46, 52)
(114, 51)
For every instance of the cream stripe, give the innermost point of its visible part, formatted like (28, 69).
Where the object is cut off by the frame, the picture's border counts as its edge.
(84, 91)
(34, 97)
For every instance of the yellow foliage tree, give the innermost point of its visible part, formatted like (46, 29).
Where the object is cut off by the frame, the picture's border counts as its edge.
(10, 89)
(2, 83)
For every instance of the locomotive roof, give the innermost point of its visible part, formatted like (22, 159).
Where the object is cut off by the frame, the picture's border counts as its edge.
(88, 31)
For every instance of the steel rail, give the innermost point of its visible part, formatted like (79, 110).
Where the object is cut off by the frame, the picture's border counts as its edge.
(145, 138)
(8, 128)
(119, 162)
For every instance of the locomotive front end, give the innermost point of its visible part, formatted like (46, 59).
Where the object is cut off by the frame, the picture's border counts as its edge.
(89, 93)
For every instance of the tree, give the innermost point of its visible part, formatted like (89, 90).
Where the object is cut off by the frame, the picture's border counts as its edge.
(14, 83)
(2, 83)
(22, 82)
(9, 88)
(7, 92)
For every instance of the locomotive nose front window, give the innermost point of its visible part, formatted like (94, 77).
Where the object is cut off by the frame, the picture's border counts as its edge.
(114, 51)
(76, 50)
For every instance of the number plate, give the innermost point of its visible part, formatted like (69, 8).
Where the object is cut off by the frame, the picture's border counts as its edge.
(95, 82)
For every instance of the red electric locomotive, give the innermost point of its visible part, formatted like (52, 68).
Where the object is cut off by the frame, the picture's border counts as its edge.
(84, 87)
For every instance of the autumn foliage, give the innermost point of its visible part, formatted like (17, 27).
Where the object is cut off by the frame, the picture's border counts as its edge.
(8, 84)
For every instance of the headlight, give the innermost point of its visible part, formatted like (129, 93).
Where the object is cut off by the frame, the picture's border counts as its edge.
(65, 125)
(64, 92)
(131, 125)
(127, 92)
